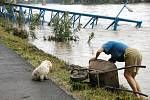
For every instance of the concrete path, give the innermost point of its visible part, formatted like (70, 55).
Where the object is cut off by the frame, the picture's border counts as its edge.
(16, 83)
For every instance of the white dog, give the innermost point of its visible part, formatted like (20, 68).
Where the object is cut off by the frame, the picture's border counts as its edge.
(40, 73)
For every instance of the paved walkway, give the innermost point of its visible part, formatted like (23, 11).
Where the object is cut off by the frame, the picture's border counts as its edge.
(16, 83)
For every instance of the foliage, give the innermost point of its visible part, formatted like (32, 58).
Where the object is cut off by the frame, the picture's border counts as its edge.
(22, 33)
(34, 22)
(62, 29)
(90, 37)
(81, 85)
(17, 29)
(20, 20)
(9, 27)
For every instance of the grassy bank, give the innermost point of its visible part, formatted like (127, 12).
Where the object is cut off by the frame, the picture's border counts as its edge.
(60, 73)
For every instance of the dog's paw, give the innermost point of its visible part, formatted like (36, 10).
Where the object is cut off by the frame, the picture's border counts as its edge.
(46, 78)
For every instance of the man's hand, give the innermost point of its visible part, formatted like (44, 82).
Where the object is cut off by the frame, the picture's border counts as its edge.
(92, 59)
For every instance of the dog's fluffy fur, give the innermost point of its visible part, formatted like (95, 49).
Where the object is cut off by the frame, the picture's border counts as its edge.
(41, 72)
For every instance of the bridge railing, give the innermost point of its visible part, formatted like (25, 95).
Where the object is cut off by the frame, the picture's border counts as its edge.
(74, 16)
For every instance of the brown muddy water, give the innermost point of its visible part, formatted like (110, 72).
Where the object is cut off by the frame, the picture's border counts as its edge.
(80, 52)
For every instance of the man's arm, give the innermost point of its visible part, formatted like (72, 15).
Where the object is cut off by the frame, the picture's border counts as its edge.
(97, 54)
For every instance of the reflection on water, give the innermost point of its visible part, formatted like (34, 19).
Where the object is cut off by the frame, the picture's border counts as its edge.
(80, 52)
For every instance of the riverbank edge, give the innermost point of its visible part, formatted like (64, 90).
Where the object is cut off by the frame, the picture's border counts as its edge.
(60, 74)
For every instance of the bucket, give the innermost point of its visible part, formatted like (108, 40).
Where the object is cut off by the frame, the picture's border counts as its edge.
(99, 76)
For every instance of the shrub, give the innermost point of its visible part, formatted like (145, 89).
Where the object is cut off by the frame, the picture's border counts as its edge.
(62, 29)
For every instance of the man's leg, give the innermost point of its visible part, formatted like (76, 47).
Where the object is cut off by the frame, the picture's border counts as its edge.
(138, 88)
(137, 85)
(131, 81)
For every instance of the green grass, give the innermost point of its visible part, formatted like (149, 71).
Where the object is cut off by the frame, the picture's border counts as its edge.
(60, 74)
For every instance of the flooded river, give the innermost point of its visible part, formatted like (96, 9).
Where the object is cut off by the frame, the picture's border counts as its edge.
(80, 52)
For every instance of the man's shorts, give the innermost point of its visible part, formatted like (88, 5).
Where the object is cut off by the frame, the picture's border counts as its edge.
(132, 57)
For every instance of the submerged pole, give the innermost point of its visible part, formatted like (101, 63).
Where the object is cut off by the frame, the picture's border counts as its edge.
(116, 18)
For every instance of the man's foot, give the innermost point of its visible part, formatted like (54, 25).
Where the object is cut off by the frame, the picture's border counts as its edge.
(141, 97)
